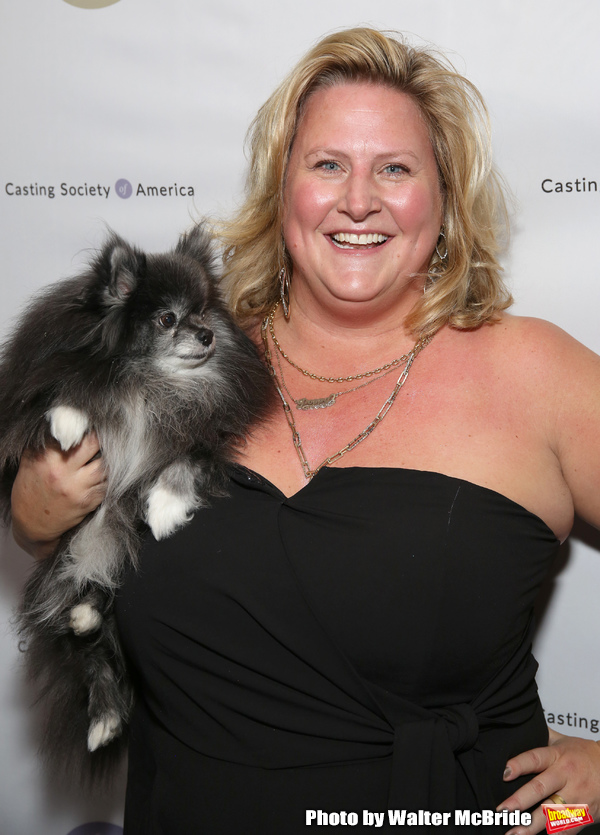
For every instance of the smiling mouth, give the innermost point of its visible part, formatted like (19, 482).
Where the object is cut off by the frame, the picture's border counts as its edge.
(351, 240)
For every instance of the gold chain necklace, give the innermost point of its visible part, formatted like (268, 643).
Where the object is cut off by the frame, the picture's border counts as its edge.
(309, 403)
(308, 473)
(350, 379)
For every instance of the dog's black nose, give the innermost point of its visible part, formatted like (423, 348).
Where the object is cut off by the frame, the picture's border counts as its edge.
(205, 336)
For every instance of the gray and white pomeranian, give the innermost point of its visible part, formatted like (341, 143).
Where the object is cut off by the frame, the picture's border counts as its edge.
(141, 349)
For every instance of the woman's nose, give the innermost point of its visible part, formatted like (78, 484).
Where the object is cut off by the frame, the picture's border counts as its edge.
(359, 197)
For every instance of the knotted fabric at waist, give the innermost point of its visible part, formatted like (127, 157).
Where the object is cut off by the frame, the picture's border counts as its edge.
(438, 755)
(430, 746)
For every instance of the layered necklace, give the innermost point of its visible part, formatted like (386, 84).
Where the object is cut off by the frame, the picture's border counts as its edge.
(305, 403)
(323, 402)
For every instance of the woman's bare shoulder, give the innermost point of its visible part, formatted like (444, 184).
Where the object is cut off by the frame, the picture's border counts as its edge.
(560, 381)
(542, 346)
(529, 329)
(545, 370)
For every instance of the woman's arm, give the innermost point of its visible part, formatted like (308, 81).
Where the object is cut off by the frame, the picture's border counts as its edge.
(53, 492)
(577, 429)
(568, 766)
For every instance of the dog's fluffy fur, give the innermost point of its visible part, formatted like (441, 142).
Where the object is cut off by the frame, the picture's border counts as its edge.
(141, 349)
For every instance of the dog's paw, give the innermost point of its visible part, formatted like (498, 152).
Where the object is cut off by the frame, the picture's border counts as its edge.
(167, 511)
(67, 425)
(84, 618)
(102, 730)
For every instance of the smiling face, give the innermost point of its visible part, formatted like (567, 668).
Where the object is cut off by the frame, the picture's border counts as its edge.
(362, 201)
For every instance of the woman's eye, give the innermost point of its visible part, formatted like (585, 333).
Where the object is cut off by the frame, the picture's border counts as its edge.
(167, 320)
(395, 168)
(328, 165)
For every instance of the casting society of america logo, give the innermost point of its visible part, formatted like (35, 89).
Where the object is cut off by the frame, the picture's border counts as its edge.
(91, 4)
(94, 190)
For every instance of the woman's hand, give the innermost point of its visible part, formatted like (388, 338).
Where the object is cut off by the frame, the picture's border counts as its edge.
(568, 766)
(54, 491)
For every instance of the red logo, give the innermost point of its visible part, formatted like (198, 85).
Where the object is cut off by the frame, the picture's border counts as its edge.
(559, 817)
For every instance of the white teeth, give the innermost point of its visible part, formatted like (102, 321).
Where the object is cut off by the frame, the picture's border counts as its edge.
(359, 240)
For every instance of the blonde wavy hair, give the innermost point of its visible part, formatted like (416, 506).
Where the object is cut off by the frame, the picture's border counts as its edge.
(465, 289)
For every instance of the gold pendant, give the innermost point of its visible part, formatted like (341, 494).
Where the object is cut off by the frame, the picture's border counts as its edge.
(305, 403)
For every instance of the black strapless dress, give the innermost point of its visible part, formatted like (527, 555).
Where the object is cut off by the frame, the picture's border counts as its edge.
(363, 645)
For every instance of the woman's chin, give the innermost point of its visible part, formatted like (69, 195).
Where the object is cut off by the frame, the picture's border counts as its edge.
(370, 299)
(361, 308)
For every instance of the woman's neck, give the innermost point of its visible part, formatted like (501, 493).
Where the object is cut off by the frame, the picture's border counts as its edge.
(338, 339)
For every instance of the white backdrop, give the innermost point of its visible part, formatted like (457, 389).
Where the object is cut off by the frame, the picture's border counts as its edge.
(160, 93)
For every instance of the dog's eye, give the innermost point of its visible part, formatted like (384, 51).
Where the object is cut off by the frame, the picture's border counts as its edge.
(167, 320)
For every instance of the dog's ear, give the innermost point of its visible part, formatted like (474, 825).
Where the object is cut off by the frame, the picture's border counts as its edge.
(197, 245)
(124, 266)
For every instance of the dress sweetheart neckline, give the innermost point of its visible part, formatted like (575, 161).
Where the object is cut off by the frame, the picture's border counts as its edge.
(407, 470)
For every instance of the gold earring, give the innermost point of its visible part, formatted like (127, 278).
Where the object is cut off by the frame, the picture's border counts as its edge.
(284, 292)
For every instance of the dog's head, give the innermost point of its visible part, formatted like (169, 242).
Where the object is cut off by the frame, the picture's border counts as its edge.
(164, 308)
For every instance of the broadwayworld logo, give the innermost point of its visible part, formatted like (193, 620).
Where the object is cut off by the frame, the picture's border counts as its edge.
(559, 817)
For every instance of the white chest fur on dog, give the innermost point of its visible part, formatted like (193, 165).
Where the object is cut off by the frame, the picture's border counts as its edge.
(170, 503)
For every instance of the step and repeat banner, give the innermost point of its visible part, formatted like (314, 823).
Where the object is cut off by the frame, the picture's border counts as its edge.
(131, 115)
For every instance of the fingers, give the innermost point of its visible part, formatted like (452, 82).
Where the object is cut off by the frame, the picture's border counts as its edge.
(54, 490)
(538, 818)
(87, 454)
(538, 824)
(77, 474)
(537, 761)
(86, 461)
(536, 791)
(86, 451)
(569, 766)
(531, 762)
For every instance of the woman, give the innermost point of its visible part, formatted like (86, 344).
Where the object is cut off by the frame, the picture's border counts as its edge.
(359, 638)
